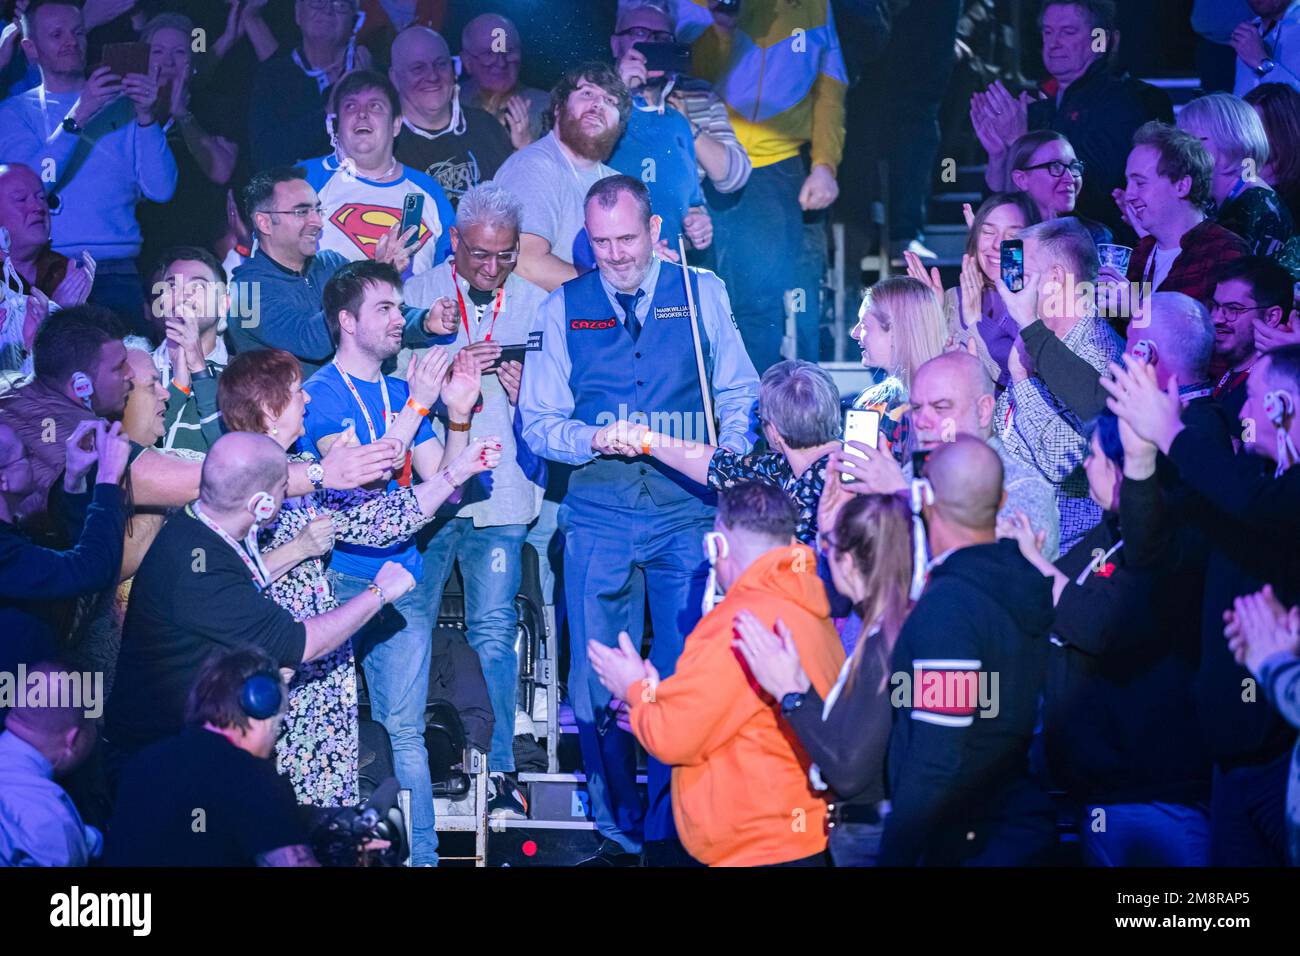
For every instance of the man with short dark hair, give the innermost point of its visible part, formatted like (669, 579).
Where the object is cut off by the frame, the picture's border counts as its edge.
(99, 138)
(1168, 191)
(191, 308)
(960, 788)
(1249, 290)
(219, 763)
(617, 344)
(588, 112)
(39, 823)
(707, 720)
(1085, 100)
(363, 187)
(352, 400)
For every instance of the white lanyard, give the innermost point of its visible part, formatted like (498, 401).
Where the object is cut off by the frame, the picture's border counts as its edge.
(456, 127)
(1198, 393)
(383, 391)
(254, 564)
(322, 76)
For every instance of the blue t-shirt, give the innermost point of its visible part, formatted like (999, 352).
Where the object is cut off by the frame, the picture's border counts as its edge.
(331, 410)
(659, 150)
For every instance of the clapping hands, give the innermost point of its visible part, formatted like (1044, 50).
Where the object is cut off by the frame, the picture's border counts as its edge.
(1259, 626)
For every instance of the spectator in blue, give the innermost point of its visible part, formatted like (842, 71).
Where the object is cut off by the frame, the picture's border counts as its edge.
(658, 145)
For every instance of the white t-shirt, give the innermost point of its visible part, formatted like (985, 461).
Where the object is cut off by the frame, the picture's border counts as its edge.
(1164, 261)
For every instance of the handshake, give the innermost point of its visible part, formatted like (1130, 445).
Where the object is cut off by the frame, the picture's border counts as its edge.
(624, 439)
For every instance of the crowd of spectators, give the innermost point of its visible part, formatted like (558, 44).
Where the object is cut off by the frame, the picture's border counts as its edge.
(307, 303)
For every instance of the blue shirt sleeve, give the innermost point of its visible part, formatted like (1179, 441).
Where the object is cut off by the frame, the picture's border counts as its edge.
(324, 412)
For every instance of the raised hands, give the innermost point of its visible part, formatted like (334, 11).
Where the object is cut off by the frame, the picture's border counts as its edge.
(392, 246)
(617, 668)
(1155, 415)
(1258, 626)
(426, 374)
(461, 390)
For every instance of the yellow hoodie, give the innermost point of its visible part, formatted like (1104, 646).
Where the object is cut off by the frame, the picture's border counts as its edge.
(740, 787)
(781, 74)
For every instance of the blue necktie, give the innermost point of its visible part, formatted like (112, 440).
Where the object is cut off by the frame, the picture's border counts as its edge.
(627, 302)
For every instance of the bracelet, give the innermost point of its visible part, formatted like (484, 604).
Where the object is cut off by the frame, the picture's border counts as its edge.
(180, 388)
(645, 445)
(445, 475)
(457, 426)
(419, 409)
(378, 592)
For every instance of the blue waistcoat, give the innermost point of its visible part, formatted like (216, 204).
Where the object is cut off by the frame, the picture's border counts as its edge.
(652, 381)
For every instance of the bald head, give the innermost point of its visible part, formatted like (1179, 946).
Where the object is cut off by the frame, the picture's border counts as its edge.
(417, 41)
(238, 466)
(479, 32)
(966, 475)
(1183, 334)
(951, 395)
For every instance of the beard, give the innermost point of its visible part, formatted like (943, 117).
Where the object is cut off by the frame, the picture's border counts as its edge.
(598, 147)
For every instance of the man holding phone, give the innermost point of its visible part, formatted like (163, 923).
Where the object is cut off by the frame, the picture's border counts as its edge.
(493, 310)
(98, 137)
(657, 137)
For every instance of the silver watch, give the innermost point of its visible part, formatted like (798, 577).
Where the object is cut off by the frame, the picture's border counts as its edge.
(316, 475)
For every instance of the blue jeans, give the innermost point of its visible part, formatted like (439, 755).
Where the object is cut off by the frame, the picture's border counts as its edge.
(1248, 814)
(759, 240)
(394, 650)
(490, 563)
(615, 558)
(856, 844)
(540, 535)
(1145, 834)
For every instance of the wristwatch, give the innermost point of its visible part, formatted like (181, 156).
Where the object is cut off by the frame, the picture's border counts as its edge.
(316, 475)
(790, 703)
(1265, 67)
(71, 126)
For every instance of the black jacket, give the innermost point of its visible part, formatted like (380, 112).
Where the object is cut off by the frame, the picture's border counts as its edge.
(959, 779)
(1099, 113)
(1120, 719)
(1239, 524)
(32, 577)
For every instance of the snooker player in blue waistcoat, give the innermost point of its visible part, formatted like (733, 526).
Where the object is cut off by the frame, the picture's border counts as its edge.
(616, 344)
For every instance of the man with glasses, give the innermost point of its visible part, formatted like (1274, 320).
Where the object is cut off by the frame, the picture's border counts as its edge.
(286, 121)
(277, 295)
(1083, 98)
(1251, 289)
(458, 146)
(492, 308)
(490, 54)
(658, 139)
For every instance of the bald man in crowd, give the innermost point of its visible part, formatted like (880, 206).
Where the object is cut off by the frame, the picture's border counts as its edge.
(491, 52)
(952, 394)
(39, 823)
(200, 587)
(968, 671)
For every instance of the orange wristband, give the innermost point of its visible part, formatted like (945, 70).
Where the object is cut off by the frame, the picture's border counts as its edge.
(419, 409)
(180, 388)
(645, 444)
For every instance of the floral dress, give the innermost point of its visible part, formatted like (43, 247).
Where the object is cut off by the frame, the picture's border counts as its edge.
(727, 469)
(318, 749)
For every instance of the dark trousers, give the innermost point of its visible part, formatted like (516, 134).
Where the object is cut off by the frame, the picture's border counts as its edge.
(759, 240)
(1248, 814)
(893, 114)
(817, 859)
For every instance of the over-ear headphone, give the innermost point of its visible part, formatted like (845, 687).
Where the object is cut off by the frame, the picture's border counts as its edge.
(261, 506)
(1145, 349)
(1279, 406)
(261, 695)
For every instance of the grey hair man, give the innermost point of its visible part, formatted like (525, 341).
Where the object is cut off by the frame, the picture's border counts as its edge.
(491, 310)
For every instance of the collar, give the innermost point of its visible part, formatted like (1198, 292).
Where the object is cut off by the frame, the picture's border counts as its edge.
(306, 266)
(456, 127)
(20, 751)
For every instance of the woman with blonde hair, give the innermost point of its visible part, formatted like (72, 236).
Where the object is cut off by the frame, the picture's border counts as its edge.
(901, 326)
(868, 548)
(1245, 203)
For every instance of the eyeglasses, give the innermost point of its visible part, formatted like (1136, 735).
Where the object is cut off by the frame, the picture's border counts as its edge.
(1232, 310)
(481, 256)
(298, 212)
(1056, 168)
(486, 56)
(646, 35)
(338, 6)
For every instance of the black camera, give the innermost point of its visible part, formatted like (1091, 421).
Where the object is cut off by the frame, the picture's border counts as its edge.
(340, 836)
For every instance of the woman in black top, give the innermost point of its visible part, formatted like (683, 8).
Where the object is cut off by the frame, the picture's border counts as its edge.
(868, 548)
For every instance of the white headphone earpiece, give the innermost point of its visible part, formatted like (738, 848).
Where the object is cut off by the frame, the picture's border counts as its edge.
(261, 506)
(1145, 349)
(1279, 406)
(922, 494)
(82, 387)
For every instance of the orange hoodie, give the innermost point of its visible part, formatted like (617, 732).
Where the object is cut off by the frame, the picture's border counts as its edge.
(740, 787)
